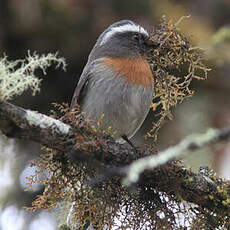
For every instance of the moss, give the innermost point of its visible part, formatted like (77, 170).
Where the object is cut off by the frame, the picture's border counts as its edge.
(158, 204)
(175, 64)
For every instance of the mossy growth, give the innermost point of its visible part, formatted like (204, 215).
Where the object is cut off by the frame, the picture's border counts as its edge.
(117, 207)
(157, 204)
(174, 63)
(108, 203)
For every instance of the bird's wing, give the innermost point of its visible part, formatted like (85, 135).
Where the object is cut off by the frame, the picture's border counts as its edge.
(81, 88)
(89, 71)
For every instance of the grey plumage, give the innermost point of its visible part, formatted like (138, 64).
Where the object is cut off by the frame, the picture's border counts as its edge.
(101, 90)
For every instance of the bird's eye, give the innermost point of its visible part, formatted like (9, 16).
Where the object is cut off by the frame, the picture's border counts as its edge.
(136, 37)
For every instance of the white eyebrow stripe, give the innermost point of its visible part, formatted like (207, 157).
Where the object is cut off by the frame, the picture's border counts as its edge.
(123, 28)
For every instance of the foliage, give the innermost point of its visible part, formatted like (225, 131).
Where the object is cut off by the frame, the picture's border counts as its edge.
(221, 36)
(18, 76)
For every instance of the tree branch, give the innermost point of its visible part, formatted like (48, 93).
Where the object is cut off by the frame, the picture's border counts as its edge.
(202, 189)
(185, 147)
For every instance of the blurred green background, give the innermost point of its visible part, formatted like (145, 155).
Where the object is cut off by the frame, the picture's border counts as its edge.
(71, 27)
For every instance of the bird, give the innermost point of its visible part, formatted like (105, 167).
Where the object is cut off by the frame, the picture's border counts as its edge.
(117, 82)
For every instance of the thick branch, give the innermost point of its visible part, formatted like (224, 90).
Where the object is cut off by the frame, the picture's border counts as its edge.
(198, 188)
(17, 122)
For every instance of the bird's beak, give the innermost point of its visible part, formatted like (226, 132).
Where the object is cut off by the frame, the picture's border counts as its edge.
(150, 43)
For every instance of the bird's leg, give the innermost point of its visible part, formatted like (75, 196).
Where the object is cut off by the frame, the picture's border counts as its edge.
(124, 137)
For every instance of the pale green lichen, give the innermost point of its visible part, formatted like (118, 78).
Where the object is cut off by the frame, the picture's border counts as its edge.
(18, 76)
(177, 151)
(221, 36)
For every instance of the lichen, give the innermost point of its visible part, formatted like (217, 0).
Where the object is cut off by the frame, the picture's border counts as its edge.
(18, 76)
